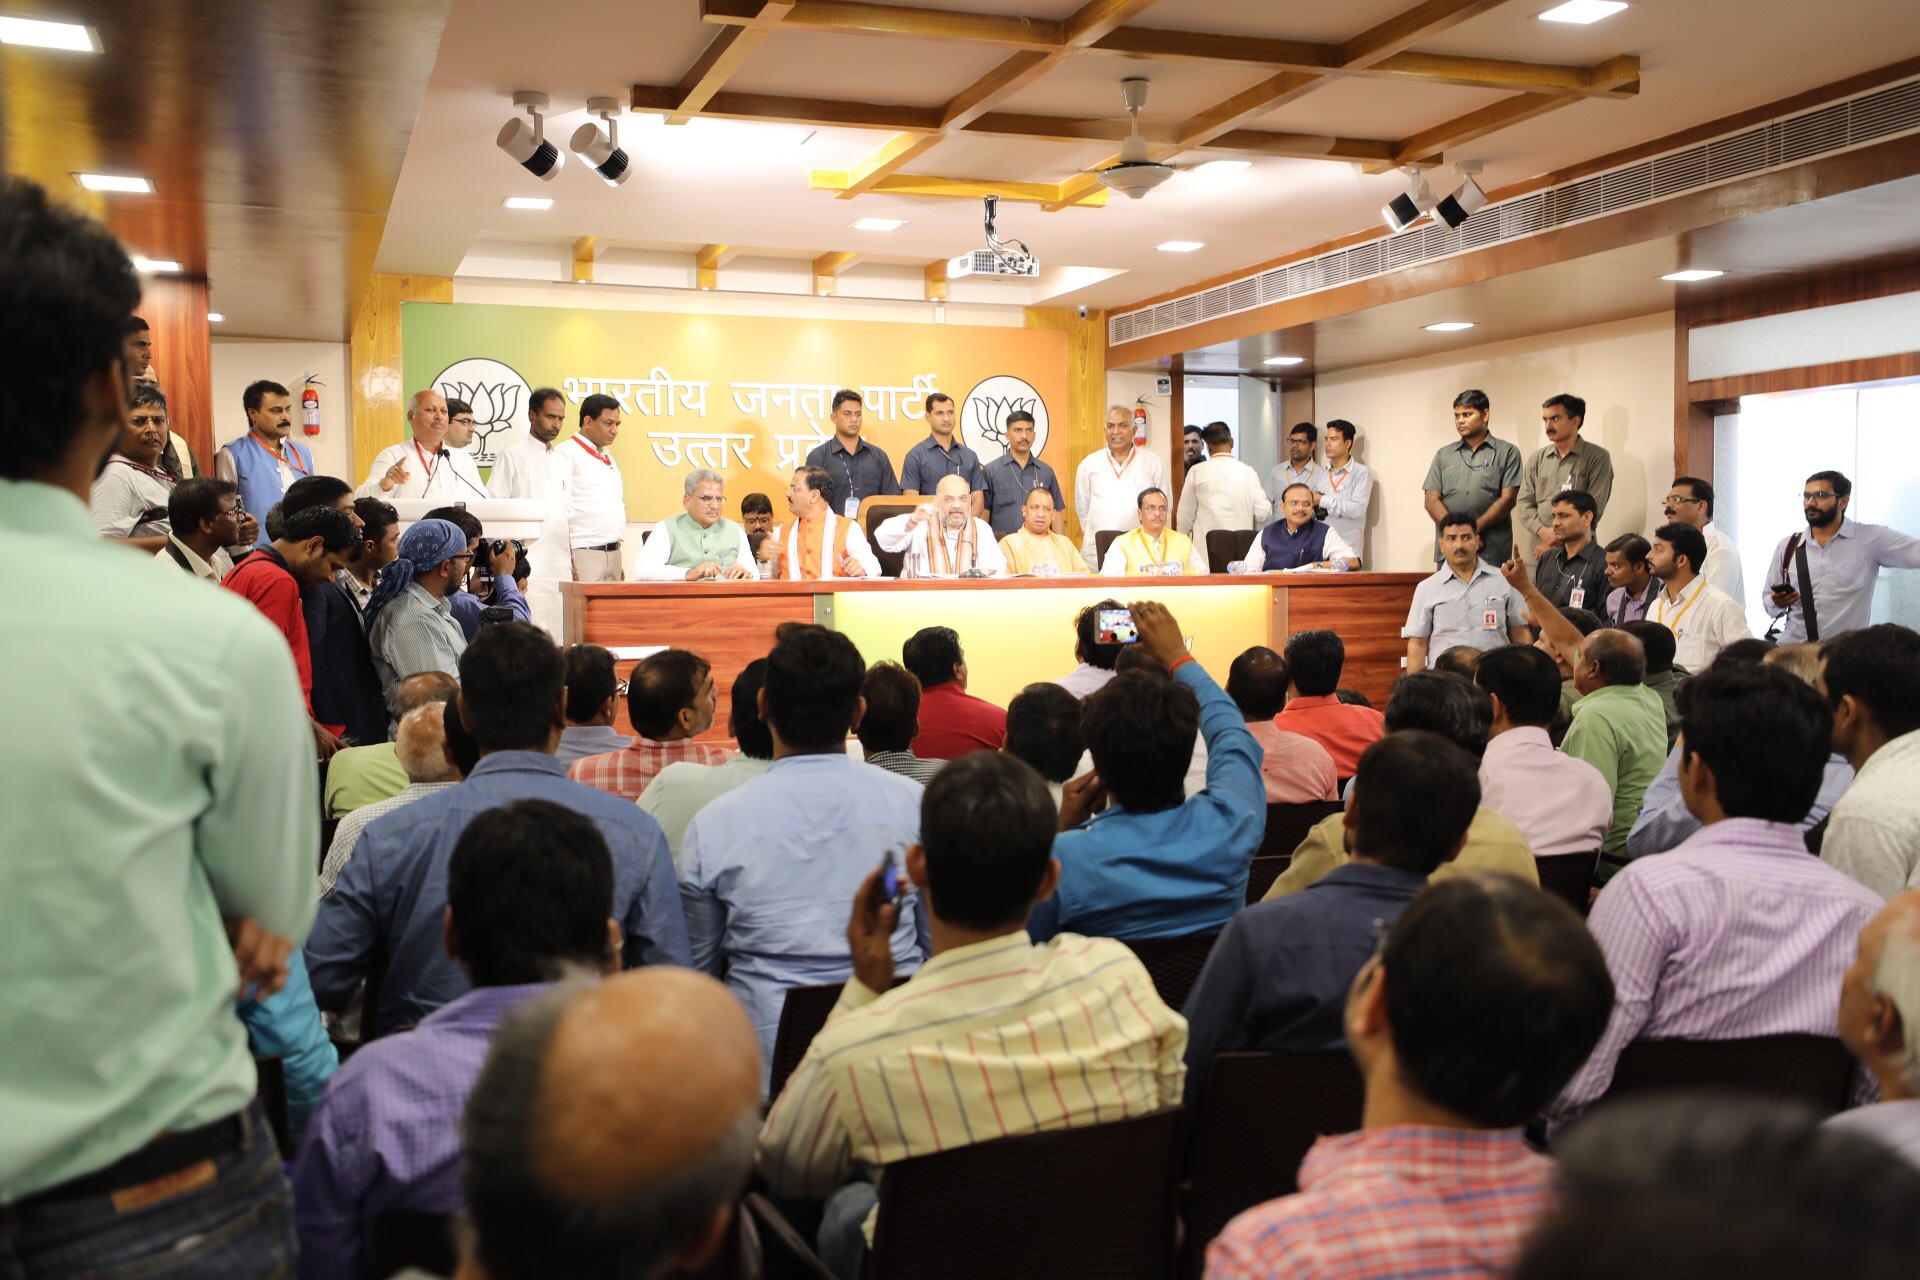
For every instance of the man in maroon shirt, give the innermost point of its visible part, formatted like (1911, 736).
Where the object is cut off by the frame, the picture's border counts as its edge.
(1315, 659)
(952, 721)
(312, 545)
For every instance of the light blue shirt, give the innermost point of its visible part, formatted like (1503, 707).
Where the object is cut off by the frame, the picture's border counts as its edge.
(1182, 870)
(1450, 612)
(768, 872)
(1843, 573)
(287, 1026)
(1347, 505)
(392, 896)
(1664, 820)
(578, 741)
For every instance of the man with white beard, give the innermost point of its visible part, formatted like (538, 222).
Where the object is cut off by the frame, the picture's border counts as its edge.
(942, 538)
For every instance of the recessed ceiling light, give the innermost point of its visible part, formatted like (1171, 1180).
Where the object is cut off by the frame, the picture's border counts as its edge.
(112, 182)
(1222, 166)
(39, 34)
(1581, 12)
(155, 266)
(528, 202)
(1284, 360)
(1180, 246)
(214, 317)
(1448, 326)
(879, 224)
(1696, 273)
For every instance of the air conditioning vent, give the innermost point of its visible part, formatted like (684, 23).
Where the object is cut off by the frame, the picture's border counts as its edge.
(1825, 130)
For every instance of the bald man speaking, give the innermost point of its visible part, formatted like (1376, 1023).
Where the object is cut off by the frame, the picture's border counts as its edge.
(435, 463)
(943, 538)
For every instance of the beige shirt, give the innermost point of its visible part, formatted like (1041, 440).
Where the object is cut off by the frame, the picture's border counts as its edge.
(1493, 844)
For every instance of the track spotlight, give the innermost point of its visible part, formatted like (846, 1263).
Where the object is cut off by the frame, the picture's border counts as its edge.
(528, 144)
(1462, 204)
(602, 151)
(1410, 206)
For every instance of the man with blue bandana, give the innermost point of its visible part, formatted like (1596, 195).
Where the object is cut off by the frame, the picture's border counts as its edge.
(410, 623)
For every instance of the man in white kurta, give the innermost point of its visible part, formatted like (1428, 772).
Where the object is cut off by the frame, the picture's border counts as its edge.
(596, 494)
(1221, 492)
(435, 463)
(530, 470)
(1108, 484)
(699, 544)
(942, 539)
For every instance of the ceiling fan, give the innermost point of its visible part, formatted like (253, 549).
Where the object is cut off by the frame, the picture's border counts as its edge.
(1133, 174)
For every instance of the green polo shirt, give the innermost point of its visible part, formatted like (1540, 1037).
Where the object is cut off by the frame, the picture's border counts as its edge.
(157, 773)
(1621, 730)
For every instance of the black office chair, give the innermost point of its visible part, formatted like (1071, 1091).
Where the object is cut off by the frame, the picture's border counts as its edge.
(1816, 1070)
(1288, 824)
(1101, 541)
(1225, 546)
(1569, 877)
(1174, 964)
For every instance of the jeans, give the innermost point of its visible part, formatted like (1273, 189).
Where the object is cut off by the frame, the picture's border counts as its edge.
(842, 1241)
(239, 1227)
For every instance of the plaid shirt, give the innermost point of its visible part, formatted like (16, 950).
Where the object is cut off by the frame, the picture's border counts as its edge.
(1405, 1201)
(627, 772)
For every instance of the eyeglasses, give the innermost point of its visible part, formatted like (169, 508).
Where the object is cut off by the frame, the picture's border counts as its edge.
(621, 688)
(1811, 496)
(145, 420)
(1675, 500)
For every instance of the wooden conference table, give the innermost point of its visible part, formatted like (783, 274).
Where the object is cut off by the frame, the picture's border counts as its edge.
(1013, 631)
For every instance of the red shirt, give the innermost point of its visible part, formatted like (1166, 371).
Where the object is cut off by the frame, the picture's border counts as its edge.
(954, 723)
(1345, 731)
(263, 578)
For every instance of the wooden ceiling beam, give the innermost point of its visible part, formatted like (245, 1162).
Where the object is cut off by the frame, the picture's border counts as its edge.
(910, 184)
(894, 20)
(1071, 129)
(585, 250)
(1243, 107)
(827, 267)
(934, 276)
(725, 54)
(707, 261)
(1431, 144)
(819, 113)
(1407, 28)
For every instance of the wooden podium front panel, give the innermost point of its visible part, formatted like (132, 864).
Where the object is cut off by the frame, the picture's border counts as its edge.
(1367, 621)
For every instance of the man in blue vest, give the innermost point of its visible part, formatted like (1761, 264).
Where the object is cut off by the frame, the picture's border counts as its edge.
(1298, 541)
(264, 461)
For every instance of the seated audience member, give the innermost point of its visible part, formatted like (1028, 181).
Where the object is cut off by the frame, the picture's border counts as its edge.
(966, 1018)
(1560, 802)
(1486, 998)
(1150, 547)
(891, 721)
(1880, 1023)
(670, 701)
(468, 608)
(1619, 729)
(1353, 698)
(159, 778)
(410, 622)
(1725, 1185)
(1296, 769)
(1665, 820)
(1462, 713)
(1043, 729)
(287, 1026)
(1035, 548)
(346, 688)
(767, 870)
(309, 547)
(1278, 977)
(1314, 660)
(360, 776)
(1463, 602)
(1566, 656)
(1157, 863)
(1298, 541)
(1736, 932)
(529, 892)
(952, 721)
(592, 692)
(1871, 678)
(131, 496)
(943, 538)
(699, 543)
(392, 895)
(1662, 676)
(611, 1130)
(203, 519)
(1632, 583)
(379, 546)
(1096, 660)
(681, 790)
(1703, 618)
(1461, 660)
(818, 542)
(421, 749)
(1573, 572)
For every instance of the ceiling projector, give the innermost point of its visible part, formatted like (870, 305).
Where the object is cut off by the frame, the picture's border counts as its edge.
(1000, 258)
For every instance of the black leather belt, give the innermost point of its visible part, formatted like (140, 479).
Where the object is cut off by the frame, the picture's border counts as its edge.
(611, 546)
(167, 1154)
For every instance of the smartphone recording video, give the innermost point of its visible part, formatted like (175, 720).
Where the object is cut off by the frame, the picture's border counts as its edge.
(1114, 626)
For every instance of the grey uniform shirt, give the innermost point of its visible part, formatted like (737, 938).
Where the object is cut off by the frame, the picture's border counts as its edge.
(1587, 466)
(1449, 612)
(1470, 481)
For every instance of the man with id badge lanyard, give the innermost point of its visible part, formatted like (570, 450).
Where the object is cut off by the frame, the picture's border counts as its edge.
(858, 468)
(1465, 602)
(1151, 549)
(1573, 574)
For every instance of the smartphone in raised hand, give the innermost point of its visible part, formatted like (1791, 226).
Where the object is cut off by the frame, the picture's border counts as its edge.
(893, 882)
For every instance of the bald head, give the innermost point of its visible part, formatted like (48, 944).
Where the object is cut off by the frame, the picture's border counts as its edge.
(421, 745)
(612, 1127)
(1610, 657)
(427, 416)
(429, 687)
(1880, 998)
(955, 500)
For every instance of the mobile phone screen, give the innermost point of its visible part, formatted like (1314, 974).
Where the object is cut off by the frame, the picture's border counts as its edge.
(1114, 626)
(891, 883)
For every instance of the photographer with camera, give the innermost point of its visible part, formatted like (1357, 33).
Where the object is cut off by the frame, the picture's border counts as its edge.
(490, 585)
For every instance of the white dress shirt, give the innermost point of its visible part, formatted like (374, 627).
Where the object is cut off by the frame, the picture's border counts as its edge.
(1220, 493)
(1722, 567)
(895, 535)
(651, 564)
(596, 495)
(1349, 490)
(1704, 620)
(1843, 574)
(1873, 833)
(450, 475)
(1560, 803)
(529, 470)
(1104, 498)
(1313, 475)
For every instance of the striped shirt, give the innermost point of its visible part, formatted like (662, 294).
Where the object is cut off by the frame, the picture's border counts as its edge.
(626, 772)
(1736, 932)
(348, 832)
(986, 1041)
(1405, 1201)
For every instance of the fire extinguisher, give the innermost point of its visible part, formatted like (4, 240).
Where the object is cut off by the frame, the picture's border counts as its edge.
(1139, 424)
(310, 406)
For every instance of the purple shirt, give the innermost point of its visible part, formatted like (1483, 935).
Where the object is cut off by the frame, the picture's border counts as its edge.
(386, 1135)
(1736, 932)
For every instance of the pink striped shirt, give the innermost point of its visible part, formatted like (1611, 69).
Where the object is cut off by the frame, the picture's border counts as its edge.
(1735, 932)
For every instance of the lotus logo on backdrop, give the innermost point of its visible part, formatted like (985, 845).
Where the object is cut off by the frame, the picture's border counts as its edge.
(983, 415)
(499, 397)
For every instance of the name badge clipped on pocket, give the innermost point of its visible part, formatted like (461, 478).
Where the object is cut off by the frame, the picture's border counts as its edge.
(1491, 619)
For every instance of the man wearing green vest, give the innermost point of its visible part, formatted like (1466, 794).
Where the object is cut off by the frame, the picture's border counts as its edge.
(699, 543)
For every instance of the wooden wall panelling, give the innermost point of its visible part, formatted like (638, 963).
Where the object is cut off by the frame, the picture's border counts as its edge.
(1368, 623)
(1840, 374)
(1086, 389)
(379, 396)
(175, 310)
